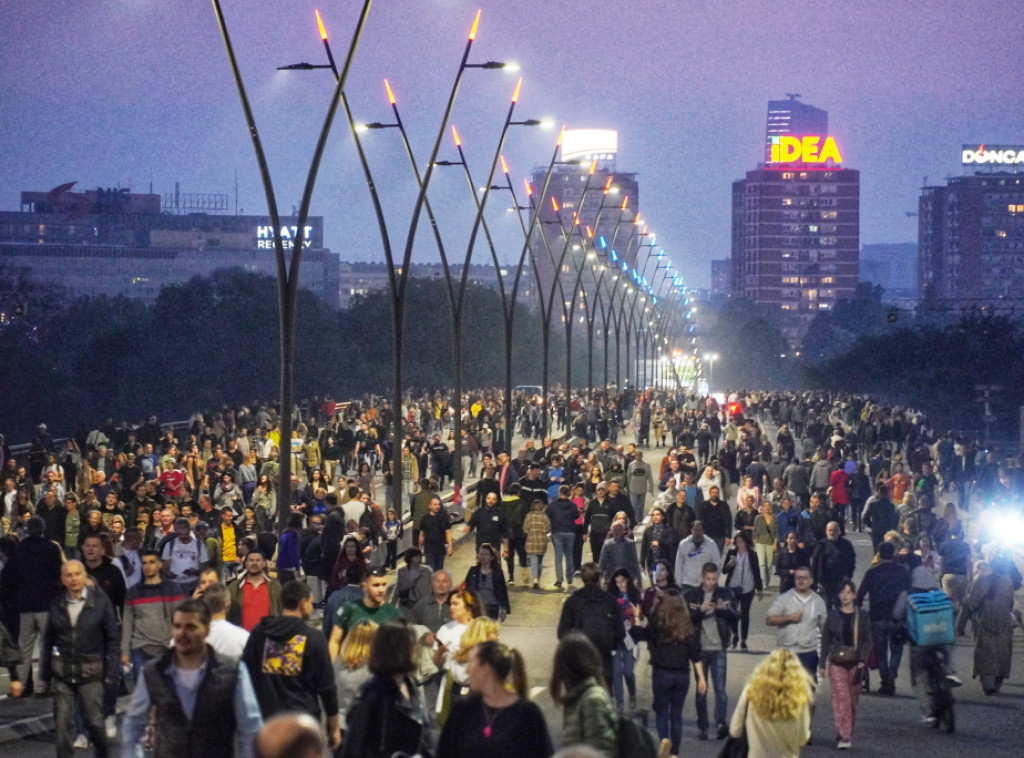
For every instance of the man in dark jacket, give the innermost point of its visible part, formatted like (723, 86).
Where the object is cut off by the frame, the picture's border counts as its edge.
(597, 520)
(833, 562)
(882, 584)
(596, 614)
(80, 655)
(717, 520)
(103, 572)
(35, 578)
(880, 515)
(713, 610)
(289, 663)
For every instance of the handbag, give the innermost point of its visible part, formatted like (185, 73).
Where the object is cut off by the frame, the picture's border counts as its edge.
(846, 656)
(736, 747)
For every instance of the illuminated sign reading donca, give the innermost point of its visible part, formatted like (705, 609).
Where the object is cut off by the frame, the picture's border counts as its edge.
(810, 149)
(1007, 155)
(265, 236)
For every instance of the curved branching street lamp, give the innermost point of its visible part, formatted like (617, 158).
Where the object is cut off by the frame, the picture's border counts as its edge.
(287, 271)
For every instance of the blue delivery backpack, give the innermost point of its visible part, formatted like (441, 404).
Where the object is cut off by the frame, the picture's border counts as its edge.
(930, 618)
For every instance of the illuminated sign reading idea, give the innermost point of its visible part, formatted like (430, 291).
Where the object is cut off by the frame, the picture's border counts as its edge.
(809, 149)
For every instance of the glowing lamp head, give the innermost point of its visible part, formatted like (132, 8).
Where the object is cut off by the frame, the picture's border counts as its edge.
(476, 23)
(391, 95)
(504, 166)
(529, 189)
(323, 29)
(455, 136)
(554, 205)
(515, 95)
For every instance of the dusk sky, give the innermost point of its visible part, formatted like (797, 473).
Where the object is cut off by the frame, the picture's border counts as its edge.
(135, 93)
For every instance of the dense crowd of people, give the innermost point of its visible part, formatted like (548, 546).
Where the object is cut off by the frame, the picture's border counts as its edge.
(122, 539)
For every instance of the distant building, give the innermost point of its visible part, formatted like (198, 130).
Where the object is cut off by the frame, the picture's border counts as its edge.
(358, 279)
(971, 233)
(792, 117)
(584, 219)
(721, 277)
(113, 242)
(894, 267)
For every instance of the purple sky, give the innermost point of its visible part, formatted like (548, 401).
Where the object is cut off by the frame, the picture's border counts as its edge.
(133, 92)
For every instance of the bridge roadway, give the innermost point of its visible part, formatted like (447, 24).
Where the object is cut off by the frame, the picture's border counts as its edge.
(992, 727)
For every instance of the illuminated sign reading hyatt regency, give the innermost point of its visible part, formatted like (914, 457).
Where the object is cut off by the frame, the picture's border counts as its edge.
(265, 236)
(998, 154)
(809, 149)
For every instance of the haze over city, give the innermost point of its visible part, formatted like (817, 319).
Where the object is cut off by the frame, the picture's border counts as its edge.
(139, 94)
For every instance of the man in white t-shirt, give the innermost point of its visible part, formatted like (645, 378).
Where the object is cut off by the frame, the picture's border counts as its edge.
(227, 639)
(184, 557)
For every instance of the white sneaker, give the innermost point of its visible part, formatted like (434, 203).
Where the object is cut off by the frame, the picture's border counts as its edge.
(844, 745)
(81, 742)
(110, 723)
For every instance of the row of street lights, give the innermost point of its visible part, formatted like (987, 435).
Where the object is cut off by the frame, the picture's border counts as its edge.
(631, 307)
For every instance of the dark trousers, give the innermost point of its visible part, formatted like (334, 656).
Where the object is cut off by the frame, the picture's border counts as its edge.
(888, 651)
(391, 561)
(670, 687)
(741, 625)
(516, 547)
(810, 663)
(435, 558)
(90, 698)
(596, 543)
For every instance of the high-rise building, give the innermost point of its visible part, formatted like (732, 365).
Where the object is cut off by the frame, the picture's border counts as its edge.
(721, 274)
(796, 221)
(588, 207)
(792, 117)
(971, 232)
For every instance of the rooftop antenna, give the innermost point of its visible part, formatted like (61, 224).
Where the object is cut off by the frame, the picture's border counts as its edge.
(793, 95)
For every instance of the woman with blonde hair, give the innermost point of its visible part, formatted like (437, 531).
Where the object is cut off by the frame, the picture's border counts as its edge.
(350, 670)
(774, 709)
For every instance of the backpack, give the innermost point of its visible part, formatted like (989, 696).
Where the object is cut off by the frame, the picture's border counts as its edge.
(599, 622)
(313, 561)
(633, 740)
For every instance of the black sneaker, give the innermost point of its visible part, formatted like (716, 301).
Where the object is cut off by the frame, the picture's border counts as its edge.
(703, 735)
(723, 732)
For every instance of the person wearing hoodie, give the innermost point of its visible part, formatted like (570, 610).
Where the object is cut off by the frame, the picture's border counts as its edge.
(289, 665)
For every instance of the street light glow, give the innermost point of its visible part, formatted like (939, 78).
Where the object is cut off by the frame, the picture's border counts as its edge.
(320, 23)
(515, 95)
(391, 95)
(476, 22)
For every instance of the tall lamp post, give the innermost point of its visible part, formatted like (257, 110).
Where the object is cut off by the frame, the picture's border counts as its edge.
(287, 271)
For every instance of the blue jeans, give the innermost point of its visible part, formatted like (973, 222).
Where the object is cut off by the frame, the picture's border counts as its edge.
(890, 652)
(638, 505)
(536, 566)
(670, 687)
(563, 542)
(714, 669)
(622, 668)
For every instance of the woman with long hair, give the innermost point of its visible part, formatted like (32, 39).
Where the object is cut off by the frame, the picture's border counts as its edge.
(628, 597)
(774, 709)
(350, 669)
(845, 645)
(388, 716)
(488, 582)
(743, 577)
(662, 581)
(350, 554)
(674, 644)
(464, 607)
(577, 684)
(497, 718)
(364, 478)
